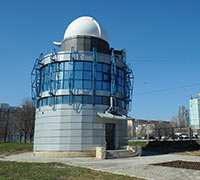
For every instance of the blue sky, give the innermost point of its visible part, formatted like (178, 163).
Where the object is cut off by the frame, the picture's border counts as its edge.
(162, 39)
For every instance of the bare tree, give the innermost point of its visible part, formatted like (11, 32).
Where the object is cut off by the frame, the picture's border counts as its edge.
(25, 120)
(174, 122)
(183, 117)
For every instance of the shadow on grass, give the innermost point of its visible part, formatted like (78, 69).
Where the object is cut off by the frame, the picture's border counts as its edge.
(166, 147)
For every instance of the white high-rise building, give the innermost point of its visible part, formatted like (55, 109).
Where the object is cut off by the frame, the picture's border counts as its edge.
(195, 114)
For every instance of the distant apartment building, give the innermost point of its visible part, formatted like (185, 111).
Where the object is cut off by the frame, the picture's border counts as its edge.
(195, 114)
(138, 128)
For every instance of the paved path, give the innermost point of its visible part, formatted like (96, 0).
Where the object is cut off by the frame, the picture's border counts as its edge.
(136, 166)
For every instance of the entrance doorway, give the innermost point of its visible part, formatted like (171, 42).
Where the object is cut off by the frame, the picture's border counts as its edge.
(110, 136)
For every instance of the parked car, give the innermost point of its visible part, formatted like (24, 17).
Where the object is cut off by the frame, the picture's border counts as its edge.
(185, 136)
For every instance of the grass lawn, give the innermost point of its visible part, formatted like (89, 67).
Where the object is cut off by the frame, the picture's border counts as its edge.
(52, 171)
(46, 171)
(138, 143)
(190, 153)
(14, 148)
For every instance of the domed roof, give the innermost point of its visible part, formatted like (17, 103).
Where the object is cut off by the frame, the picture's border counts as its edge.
(85, 26)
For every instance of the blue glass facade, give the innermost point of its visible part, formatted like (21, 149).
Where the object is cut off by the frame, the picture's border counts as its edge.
(58, 75)
(82, 99)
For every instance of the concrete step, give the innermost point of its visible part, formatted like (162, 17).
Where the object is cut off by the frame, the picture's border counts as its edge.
(113, 154)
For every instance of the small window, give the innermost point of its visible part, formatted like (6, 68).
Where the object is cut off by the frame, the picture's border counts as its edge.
(59, 100)
(77, 99)
(106, 68)
(78, 74)
(78, 84)
(66, 74)
(87, 99)
(68, 66)
(98, 85)
(58, 85)
(65, 99)
(106, 77)
(66, 84)
(98, 100)
(78, 65)
(87, 75)
(106, 86)
(87, 84)
(99, 76)
(106, 100)
(99, 67)
(87, 66)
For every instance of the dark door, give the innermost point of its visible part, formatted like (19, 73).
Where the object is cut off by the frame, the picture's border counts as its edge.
(110, 136)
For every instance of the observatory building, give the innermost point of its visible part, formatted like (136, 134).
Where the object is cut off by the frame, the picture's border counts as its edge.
(82, 94)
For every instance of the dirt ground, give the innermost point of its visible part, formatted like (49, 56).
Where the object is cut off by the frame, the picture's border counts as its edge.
(181, 164)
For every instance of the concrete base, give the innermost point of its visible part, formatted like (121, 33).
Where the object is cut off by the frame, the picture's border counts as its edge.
(100, 152)
(75, 154)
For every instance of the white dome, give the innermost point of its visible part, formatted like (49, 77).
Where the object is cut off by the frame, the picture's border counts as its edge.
(85, 26)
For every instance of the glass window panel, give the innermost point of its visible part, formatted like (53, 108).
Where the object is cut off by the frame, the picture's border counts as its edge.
(106, 68)
(87, 75)
(98, 100)
(68, 66)
(58, 85)
(106, 86)
(119, 102)
(78, 65)
(117, 71)
(99, 67)
(41, 102)
(87, 84)
(87, 99)
(119, 81)
(87, 66)
(66, 84)
(45, 102)
(38, 104)
(123, 104)
(120, 89)
(98, 85)
(53, 67)
(58, 76)
(78, 84)
(122, 74)
(78, 74)
(59, 100)
(61, 66)
(66, 74)
(65, 99)
(99, 76)
(46, 78)
(106, 77)
(77, 99)
(122, 82)
(46, 69)
(45, 86)
(106, 100)
(57, 67)
(51, 101)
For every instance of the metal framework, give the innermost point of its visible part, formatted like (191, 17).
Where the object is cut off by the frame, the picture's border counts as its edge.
(71, 75)
(36, 80)
(113, 82)
(51, 77)
(129, 86)
(94, 65)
